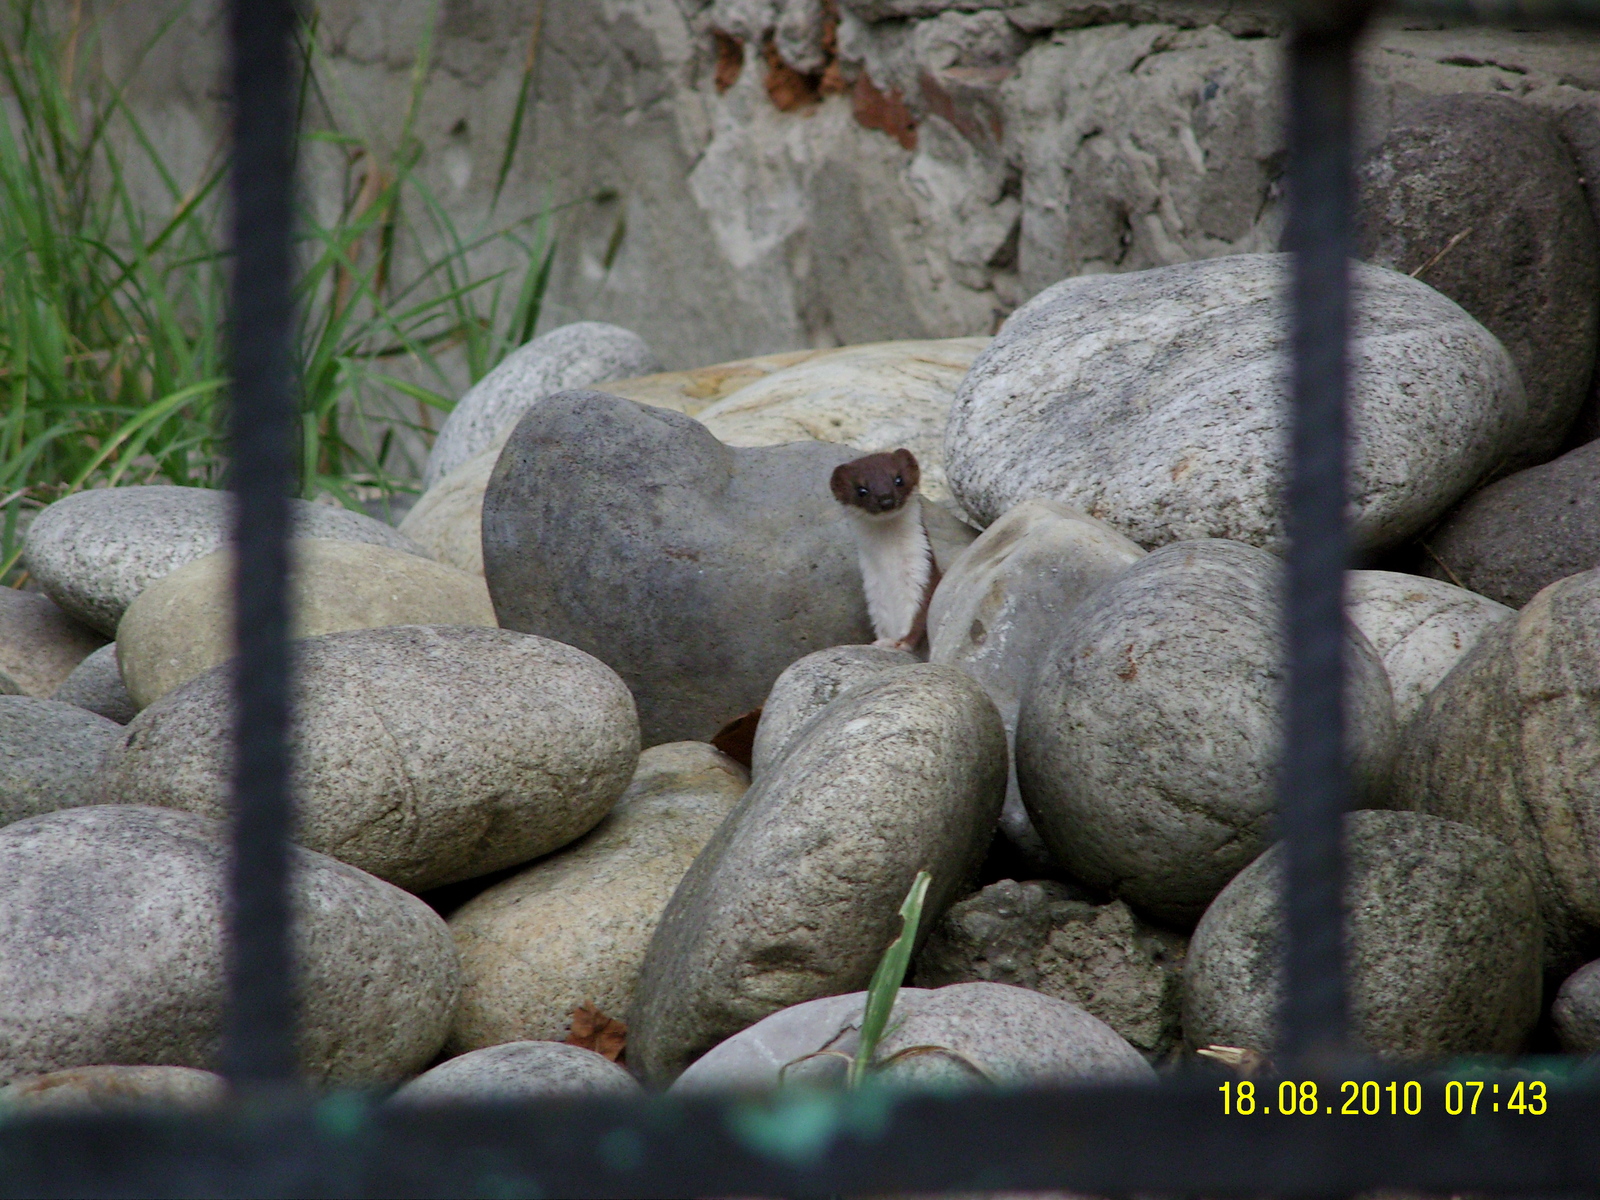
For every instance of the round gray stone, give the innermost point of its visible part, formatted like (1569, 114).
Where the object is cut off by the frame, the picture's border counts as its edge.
(572, 356)
(1507, 744)
(809, 685)
(1442, 935)
(50, 756)
(518, 1071)
(1149, 740)
(1577, 1011)
(96, 684)
(989, 1032)
(572, 928)
(1002, 603)
(1156, 401)
(94, 552)
(1420, 628)
(1522, 533)
(799, 890)
(112, 1087)
(1479, 195)
(695, 570)
(111, 951)
(425, 754)
(39, 644)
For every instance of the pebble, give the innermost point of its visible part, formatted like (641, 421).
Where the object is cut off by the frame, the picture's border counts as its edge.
(50, 756)
(96, 684)
(39, 644)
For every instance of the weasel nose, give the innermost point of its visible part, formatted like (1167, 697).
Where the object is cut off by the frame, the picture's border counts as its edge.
(885, 503)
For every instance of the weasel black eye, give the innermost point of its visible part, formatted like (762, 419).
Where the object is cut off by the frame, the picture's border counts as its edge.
(898, 482)
(861, 489)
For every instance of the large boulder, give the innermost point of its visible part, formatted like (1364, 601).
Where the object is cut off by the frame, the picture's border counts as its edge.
(572, 356)
(50, 756)
(1420, 628)
(1003, 602)
(572, 929)
(1522, 533)
(518, 1071)
(1478, 196)
(1149, 741)
(1442, 945)
(988, 1033)
(1038, 935)
(96, 684)
(874, 397)
(182, 624)
(799, 890)
(1509, 743)
(1157, 402)
(424, 754)
(39, 644)
(94, 552)
(111, 951)
(697, 571)
(809, 685)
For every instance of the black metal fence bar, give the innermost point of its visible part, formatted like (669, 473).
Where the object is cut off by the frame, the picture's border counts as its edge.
(258, 1040)
(1313, 785)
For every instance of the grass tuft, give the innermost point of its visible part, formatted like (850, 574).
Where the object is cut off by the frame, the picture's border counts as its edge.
(113, 363)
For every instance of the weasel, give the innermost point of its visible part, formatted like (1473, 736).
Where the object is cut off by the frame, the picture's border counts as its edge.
(897, 568)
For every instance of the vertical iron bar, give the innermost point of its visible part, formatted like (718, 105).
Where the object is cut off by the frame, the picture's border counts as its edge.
(1315, 786)
(258, 1037)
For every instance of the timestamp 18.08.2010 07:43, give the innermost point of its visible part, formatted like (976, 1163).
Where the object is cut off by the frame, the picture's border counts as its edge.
(1370, 1098)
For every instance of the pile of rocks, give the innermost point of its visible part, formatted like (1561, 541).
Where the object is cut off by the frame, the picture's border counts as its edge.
(509, 809)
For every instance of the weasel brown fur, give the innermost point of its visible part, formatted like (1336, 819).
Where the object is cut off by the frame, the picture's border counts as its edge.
(898, 573)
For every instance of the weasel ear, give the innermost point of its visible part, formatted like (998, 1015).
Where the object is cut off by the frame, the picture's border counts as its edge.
(840, 483)
(907, 463)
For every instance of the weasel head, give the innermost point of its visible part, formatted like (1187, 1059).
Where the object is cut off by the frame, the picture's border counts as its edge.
(877, 485)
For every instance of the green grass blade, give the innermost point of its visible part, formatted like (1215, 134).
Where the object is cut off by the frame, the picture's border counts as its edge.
(886, 980)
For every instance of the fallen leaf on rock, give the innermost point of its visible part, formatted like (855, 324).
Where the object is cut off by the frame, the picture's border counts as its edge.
(593, 1030)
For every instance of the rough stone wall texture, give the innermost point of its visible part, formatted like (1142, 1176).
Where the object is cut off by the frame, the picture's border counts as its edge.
(748, 176)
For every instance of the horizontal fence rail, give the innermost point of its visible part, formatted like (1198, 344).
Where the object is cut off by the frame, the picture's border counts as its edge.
(1171, 1139)
(1183, 1135)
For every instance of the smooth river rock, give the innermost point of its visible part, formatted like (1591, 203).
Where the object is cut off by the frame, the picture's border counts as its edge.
(1509, 743)
(94, 552)
(96, 684)
(1149, 741)
(447, 520)
(77, 1089)
(881, 396)
(571, 356)
(111, 952)
(1003, 602)
(809, 685)
(1420, 628)
(1522, 533)
(1480, 198)
(519, 1071)
(799, 890)
(1443, 945)
(989, 1032)
(1576, 1012)
(425, 754)
(50, 756)
(572, 929)
(39, 643)
(182, 625)
(697, 571)
(1156, 402)
(1038, 935)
